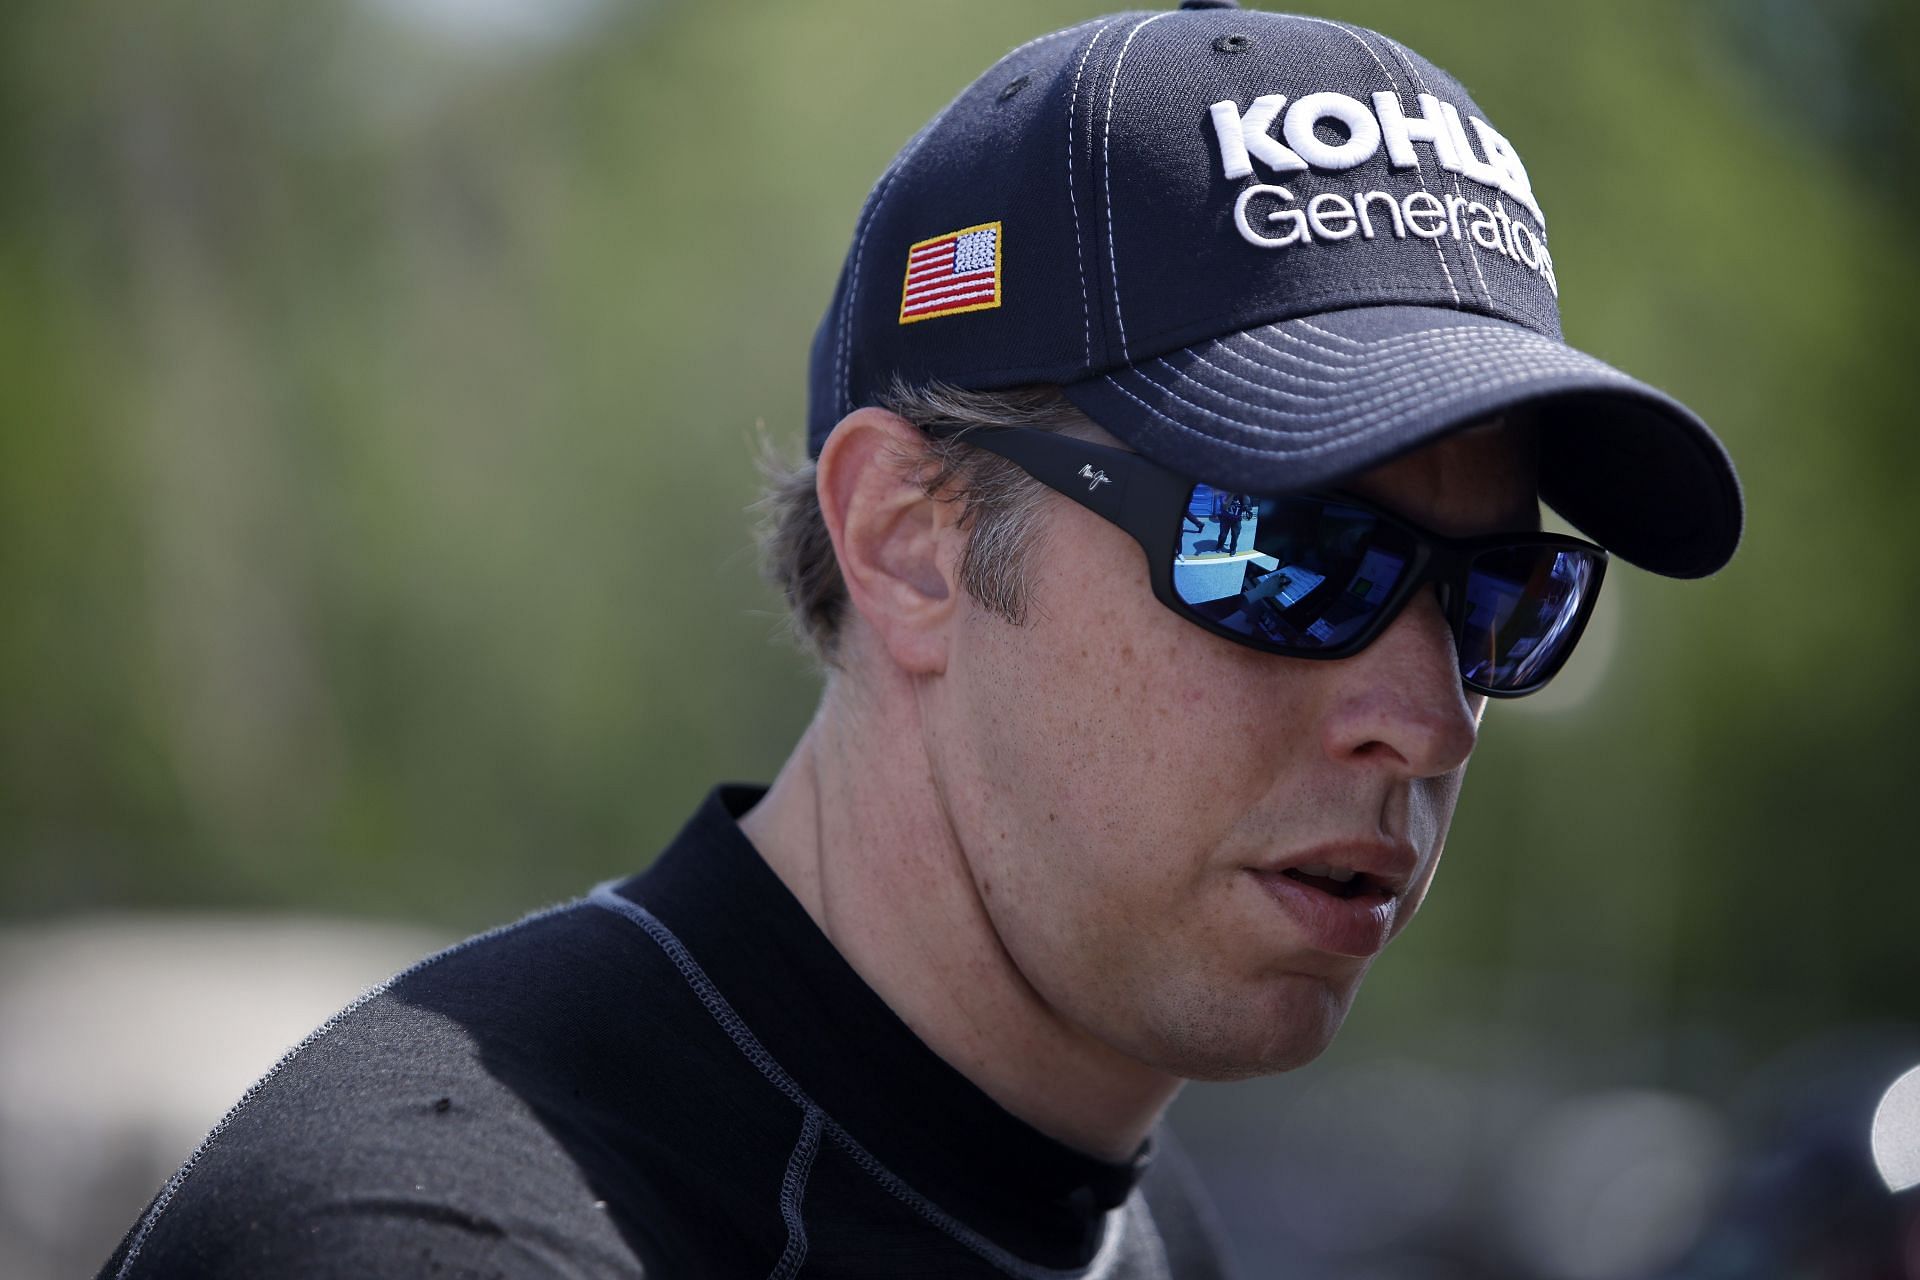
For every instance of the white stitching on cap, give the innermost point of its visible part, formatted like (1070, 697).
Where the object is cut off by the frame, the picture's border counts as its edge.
(1369, 348)
(868, 217)
(1362, 343)
(1079, 256)
(1264, 368)
(1370, 354)
(1420, 86)
(1411, 400)
(1373, 351)
(870, 213)
(1341, 386)
(1400, 386)
(1285, 455)
(1522, 371)
(1375, 391)
(1470, 343)
(1470, 348)
(1113, 380)
(1470, 353)
(1106, 179)
(1417, 168)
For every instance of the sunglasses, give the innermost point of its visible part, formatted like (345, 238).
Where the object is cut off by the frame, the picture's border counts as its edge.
(1321, 575)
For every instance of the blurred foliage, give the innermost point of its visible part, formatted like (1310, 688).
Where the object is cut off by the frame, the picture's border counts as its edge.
(380, 401)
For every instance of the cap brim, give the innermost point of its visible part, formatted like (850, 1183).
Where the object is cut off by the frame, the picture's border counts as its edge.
(1304, 403)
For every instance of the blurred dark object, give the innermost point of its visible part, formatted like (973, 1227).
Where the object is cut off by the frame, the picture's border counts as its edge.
(1500, 1159)
(1807, 1198)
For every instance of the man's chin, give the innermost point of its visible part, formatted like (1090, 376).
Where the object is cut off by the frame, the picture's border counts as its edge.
(1285, 1031)
(1224, 1069)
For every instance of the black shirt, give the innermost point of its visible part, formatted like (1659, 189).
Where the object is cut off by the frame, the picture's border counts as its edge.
(675, 1076)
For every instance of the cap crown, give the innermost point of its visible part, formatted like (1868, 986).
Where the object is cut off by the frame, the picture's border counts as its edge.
(1145, 181)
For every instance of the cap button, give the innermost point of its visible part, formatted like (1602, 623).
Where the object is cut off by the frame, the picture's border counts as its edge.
(1209, 4)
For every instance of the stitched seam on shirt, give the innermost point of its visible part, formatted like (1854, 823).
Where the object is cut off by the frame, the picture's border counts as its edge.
(167, 1193)
(793, 1187)
(743, 1038)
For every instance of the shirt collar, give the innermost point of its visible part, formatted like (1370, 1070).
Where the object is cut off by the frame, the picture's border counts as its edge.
(858, 1061)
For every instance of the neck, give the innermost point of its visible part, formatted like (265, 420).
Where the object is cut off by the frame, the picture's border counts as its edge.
(855, 827)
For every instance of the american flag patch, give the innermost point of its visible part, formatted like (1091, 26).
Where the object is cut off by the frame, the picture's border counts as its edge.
(956, 272)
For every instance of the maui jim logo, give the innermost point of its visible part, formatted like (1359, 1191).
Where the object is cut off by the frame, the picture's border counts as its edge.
(1093, 478)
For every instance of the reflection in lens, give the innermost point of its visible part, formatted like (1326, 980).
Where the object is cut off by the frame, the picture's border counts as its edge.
(1302, 571)
(1523, 607)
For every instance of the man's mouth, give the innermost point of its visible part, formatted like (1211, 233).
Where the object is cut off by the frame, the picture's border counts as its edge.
(1344, 883)
(1351, 917)
(1344, 897)
(1341, 882)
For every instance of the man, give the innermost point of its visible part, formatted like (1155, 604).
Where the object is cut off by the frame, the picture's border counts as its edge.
(917, 1009)
(1236, 512)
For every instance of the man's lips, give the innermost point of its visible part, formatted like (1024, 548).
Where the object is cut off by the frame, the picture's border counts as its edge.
(1386, 866)
(1343, 897)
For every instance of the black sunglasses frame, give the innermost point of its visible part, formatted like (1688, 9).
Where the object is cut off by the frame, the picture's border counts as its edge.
(1147, 501)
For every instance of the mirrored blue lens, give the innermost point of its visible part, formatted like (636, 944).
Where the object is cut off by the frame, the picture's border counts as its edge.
(1300, 571)
(1524, 608)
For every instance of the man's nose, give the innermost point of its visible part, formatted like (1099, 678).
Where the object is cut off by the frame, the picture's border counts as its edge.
(1399, 702)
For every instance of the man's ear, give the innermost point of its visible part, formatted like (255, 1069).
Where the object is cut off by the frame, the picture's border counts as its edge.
(897, 547)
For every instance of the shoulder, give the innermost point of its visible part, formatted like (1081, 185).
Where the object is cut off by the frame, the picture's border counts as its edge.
(461, 1119)
(1183, 1213)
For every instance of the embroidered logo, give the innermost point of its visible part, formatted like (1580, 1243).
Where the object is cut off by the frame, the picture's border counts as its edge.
(1093, 478)
(1276, 221)
(949, 274)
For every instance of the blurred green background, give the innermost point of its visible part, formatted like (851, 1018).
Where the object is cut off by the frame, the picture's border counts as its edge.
(380, 382)
(379, 387)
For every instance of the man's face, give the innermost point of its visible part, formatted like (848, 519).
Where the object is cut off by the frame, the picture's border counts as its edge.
(1127, 786)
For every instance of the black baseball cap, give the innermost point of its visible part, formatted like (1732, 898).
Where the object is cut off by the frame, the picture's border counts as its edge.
(1267, 251)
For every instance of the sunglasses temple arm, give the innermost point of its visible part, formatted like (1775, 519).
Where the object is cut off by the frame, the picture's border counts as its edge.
(1093, 475)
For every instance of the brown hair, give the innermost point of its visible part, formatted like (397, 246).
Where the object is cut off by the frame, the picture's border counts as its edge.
(999, 506)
